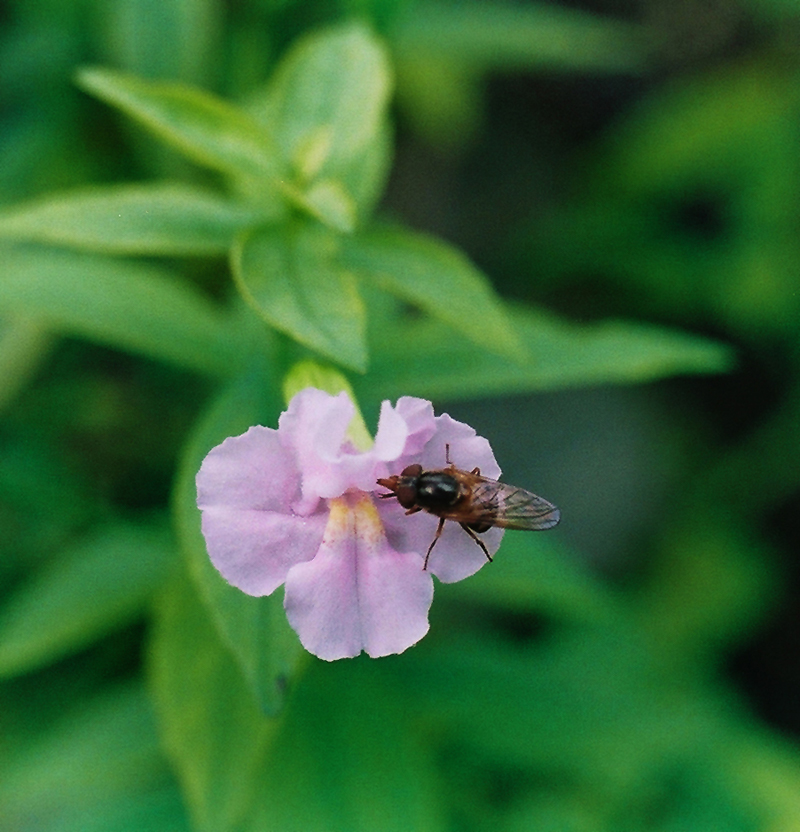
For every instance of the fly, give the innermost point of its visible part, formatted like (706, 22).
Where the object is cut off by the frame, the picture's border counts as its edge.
(475, 502)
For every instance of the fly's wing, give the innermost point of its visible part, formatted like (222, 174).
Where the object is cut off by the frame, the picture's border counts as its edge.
(509, 507)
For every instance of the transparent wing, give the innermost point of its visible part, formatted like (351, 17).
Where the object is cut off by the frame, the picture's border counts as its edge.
(510, 507)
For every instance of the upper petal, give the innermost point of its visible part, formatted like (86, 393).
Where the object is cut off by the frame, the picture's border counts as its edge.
(455, 556)
(420, 422)
(251, 471)
(315, 427)
(315, 423)
(392, 433)
(467, 450)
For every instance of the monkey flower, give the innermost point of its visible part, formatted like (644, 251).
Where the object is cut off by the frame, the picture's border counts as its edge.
(299, 506)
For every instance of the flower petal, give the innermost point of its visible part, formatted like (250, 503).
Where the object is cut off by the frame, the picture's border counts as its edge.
(251, 471)
(358, 593)
(467, 450)
(254, 550)
(315, 426)
(403, 430)
(454, 557)
(392, 434)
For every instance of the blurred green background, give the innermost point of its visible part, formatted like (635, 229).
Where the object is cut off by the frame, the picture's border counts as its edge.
(626, 174)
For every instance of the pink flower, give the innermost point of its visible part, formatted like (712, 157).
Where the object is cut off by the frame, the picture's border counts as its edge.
(298, 505)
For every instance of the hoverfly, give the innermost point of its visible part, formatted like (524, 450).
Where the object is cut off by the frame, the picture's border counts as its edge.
(476, 503)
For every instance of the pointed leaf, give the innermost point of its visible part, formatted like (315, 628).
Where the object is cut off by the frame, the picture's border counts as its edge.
(255, 630)
(328, 201)
(340, 758)
(326, 107)
(328, 99)
(98, 583)
(25, 344)
(484, 35)
(365, 178)
(98, 767)
(437, 278)
(207, 129)
(129, 306)
(289, 276)
(360, 181)
(159, 218)
(211, 725)
(346, 758)
(164, 38)
(442, 364)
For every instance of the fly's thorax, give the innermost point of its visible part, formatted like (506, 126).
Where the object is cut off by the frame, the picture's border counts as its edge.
(437, 491)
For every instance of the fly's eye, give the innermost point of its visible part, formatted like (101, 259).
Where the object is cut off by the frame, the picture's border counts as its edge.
(411, 471)
(406, 495)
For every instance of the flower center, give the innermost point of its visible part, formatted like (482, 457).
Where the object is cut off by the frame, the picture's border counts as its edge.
(354, 515)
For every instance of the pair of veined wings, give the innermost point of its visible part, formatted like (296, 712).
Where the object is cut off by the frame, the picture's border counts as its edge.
(498, 504)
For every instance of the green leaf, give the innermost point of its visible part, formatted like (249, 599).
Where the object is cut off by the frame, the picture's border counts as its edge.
(163, 38)
(205, 128)
(290, 276)
(95, 585)
(329, 202)
(359, 182)
(313, 374)
(442, 364)
(326, 107)
(211, 725)
(340, 203)
(255, 630)
(129, 306)
(534, 573)
(437, 278)
(159, 218)
(589, 702)
(483, 35)
(326, 201)
(340, 758)
(44, 501)
(711, 583)
(24, 346)
(328, 100)
(98, 769)
(365, 178)
(347, 759)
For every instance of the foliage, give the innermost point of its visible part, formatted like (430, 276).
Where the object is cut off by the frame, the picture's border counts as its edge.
(195, 224)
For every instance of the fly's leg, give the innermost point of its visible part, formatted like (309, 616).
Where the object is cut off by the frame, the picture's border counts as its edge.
(435, 538)
(475, 537)
(447, 460)
(467, 529)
